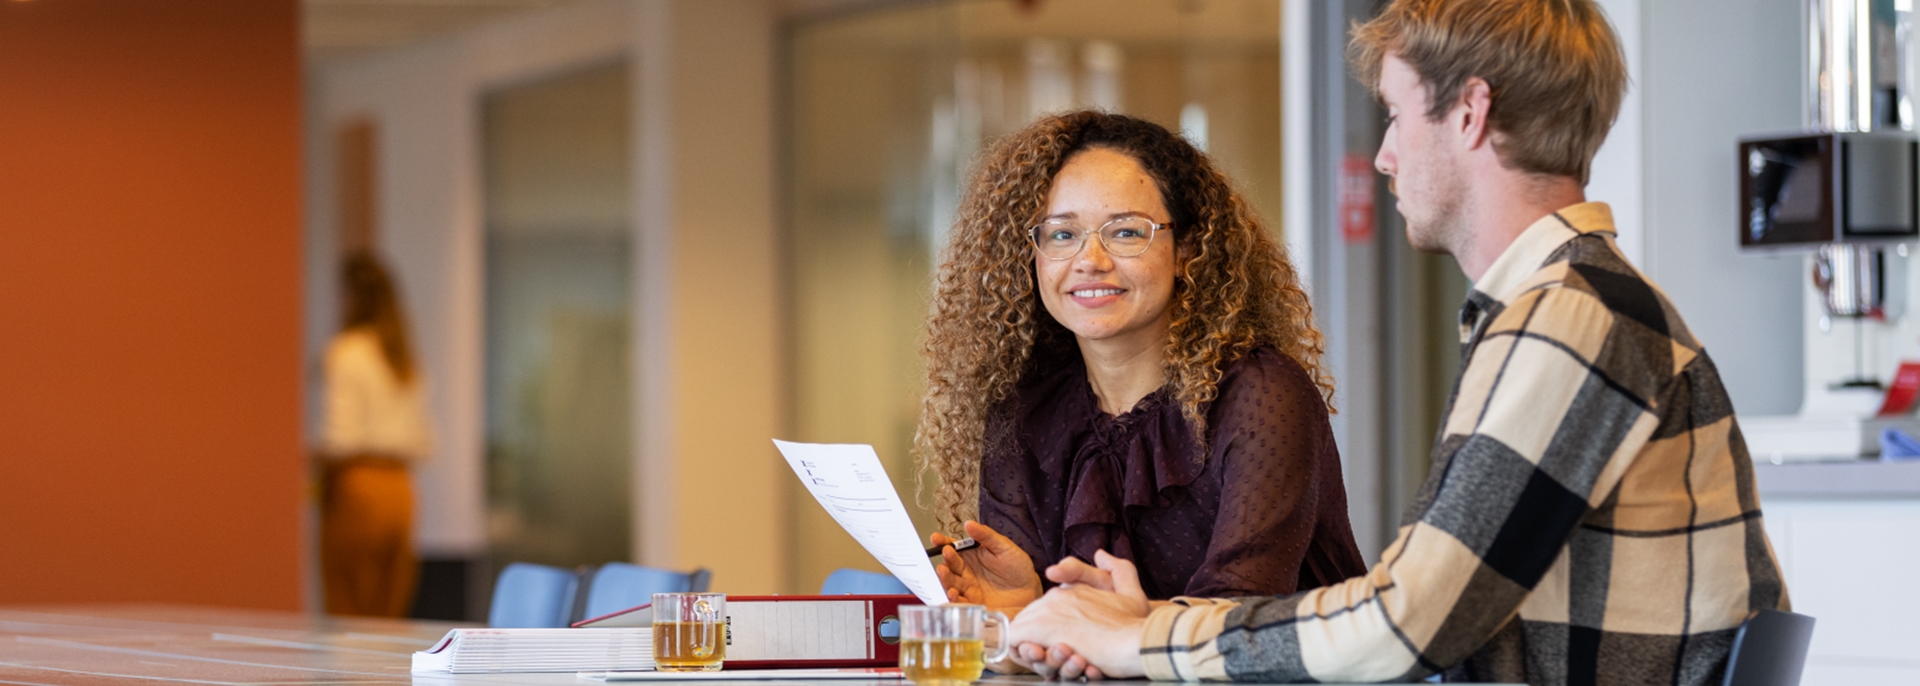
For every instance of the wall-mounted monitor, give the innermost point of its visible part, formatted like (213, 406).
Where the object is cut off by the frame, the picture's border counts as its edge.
(1830, 187)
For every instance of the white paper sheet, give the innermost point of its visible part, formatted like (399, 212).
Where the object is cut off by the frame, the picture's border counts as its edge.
(851, 484)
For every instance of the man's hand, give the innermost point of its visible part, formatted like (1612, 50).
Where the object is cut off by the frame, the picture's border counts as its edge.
(1087, 627)
(997, 574)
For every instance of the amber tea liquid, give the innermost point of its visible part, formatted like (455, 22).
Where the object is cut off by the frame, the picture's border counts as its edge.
(942, 661)
(689, 646)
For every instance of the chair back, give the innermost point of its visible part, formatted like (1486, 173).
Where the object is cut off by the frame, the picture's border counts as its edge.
(532, 596)
(617, 586)
(1769, 649)
(860, 582)
(699, 580)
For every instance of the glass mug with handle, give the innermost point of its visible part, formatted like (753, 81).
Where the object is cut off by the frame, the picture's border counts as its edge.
(689, 631)
(945, 645)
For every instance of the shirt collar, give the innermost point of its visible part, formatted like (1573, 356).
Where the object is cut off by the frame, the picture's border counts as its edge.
(1531, 249)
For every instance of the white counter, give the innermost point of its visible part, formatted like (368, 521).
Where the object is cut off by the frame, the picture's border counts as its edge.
(1856, 480)
(1848, 538)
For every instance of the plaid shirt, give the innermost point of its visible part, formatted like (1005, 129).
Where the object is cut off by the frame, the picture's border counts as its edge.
(1590, 516)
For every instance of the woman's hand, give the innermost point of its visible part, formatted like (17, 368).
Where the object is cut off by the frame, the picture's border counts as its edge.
(1058, 663)
(997, 574)
(1107, 573)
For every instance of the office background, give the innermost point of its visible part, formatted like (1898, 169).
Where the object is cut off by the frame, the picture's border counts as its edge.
(639, 238)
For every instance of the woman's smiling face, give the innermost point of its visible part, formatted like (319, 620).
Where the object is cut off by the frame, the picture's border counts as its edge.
(1099, 296)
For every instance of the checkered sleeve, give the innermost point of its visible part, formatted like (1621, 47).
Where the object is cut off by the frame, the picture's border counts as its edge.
(1554, 403)
(1177, 643)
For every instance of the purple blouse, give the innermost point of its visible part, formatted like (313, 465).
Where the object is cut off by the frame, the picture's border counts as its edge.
(1261, 512)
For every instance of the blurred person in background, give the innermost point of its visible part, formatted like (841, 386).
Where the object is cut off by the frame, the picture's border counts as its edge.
(373, 426)
(1121, 358)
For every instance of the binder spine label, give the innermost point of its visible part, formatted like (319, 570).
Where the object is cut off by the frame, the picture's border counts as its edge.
(800, 630)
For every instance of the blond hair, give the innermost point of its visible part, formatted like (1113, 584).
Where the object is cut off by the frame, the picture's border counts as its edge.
(1234, 290)
(1554, 66)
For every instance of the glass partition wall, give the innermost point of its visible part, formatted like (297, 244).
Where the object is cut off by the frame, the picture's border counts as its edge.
(889, 107)
(557, 284)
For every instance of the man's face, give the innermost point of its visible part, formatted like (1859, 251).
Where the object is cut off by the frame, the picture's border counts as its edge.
(1421, 159)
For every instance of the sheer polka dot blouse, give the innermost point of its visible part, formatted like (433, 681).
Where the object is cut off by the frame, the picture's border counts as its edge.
(1261, 511)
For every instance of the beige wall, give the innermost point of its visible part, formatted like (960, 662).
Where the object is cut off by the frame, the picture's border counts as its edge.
(709, 383)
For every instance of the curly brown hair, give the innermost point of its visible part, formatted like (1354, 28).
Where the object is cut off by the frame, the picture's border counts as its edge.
(1234, 290)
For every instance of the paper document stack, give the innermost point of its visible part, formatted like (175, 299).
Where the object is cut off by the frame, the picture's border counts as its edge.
(474, 651)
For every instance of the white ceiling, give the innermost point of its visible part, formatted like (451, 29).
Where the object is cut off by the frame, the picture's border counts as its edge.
(333, 30)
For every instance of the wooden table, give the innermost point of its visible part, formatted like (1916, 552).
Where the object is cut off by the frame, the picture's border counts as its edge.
(132, 644)
(154, 645)
(171, 644)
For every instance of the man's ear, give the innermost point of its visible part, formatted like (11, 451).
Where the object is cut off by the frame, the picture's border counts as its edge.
(1470, 114)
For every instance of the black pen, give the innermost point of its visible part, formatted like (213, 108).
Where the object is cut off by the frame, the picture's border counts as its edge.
(962, 544)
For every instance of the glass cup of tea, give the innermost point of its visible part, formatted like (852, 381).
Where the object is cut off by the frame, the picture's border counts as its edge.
(689, 631)
(945, 645)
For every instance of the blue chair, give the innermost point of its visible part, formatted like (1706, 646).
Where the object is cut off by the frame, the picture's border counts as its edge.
(857, 582)
(617, 586)
(1769, 649)
(532, 596)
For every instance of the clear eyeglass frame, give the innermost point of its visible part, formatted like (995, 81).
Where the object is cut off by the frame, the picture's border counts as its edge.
(1107, 234)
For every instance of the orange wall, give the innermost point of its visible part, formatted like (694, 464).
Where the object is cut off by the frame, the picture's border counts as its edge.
(150, 365)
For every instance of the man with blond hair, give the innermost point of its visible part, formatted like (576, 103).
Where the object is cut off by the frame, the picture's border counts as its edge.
(1590, 516)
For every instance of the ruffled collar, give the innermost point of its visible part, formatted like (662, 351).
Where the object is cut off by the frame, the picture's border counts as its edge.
(1107, 463)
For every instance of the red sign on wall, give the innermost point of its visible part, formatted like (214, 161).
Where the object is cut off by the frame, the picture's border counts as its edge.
(1356, 199)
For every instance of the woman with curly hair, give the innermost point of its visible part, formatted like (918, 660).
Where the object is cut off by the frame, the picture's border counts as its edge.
(1120, 359)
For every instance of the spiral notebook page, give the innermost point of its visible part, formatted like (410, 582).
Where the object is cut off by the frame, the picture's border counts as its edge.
(851, 484)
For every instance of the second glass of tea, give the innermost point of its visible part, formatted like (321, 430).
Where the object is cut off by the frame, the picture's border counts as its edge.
(689, 631)
(946, 645)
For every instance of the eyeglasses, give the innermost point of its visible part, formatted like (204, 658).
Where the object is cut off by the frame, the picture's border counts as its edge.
(1124, 237)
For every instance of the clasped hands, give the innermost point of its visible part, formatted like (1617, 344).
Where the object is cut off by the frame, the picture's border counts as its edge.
(1088, 626)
